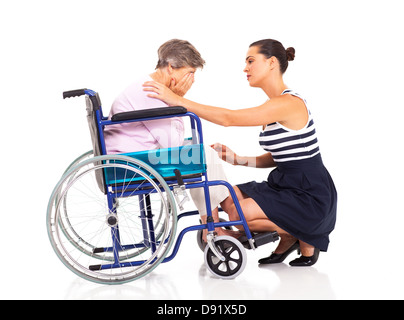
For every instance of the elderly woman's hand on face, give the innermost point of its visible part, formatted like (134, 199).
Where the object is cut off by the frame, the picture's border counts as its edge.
(182, 86)
(172, 95)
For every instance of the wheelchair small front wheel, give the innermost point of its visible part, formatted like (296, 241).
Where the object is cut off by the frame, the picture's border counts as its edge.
(199, 236)
(234, 254)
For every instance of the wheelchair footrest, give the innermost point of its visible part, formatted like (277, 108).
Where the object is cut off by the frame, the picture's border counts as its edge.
(264, 238)
(260, 239)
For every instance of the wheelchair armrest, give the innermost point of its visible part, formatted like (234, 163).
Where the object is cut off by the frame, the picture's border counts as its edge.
(148, 113)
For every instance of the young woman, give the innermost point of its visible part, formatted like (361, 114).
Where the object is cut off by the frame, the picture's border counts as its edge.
(299, 199)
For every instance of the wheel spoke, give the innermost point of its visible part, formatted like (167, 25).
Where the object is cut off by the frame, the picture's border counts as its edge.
(234, 254)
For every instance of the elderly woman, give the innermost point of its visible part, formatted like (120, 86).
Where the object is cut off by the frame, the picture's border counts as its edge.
(178, 60)
(299, 199)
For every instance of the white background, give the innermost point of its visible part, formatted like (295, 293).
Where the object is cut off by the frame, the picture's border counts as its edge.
(348, 66)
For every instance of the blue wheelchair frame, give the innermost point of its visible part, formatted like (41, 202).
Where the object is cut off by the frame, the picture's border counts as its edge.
(200, 182)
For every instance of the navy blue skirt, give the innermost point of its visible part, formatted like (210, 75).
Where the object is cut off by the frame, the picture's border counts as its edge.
(299, 197)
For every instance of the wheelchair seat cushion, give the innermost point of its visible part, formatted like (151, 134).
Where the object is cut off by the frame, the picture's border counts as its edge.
(188, 159)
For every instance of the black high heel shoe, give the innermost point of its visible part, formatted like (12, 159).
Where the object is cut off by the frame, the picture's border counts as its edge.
(303, 261)
(279, 257)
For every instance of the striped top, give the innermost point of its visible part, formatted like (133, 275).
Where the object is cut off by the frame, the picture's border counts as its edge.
(288, 145)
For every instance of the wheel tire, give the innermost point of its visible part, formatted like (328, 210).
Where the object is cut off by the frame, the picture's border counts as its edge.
(235, 258)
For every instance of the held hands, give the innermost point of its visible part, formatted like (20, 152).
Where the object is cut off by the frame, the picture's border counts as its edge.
(225, 153)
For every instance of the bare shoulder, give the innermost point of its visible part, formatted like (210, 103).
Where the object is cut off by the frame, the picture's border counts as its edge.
(286, 103)
(292, 100)
(297, 114)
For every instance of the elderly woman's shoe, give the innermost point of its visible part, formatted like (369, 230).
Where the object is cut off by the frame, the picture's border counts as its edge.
(279, 257)
(303, 261)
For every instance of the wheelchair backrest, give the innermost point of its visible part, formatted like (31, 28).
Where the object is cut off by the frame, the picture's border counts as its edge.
(93, 123)
(93, 107)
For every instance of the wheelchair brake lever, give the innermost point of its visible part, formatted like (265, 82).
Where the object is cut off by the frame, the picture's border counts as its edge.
(181, 196)
(180, 192)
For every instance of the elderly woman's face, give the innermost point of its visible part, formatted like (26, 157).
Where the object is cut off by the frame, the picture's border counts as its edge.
(180, 73)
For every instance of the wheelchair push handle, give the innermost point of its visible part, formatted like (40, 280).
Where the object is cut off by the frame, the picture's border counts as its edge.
(74, 93)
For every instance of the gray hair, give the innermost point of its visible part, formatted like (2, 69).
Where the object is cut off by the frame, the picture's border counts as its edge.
(179, 54)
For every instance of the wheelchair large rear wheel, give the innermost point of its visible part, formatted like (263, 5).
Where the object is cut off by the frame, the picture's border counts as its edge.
(85, 156)
(96, 232)
(87, 247)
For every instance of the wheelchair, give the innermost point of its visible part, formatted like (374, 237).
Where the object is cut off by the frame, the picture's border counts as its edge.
(112, 219)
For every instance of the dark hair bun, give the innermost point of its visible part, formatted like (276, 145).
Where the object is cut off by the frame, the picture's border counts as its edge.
(290, 54)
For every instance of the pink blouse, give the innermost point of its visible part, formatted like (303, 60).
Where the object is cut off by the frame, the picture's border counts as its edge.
(142, 135)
